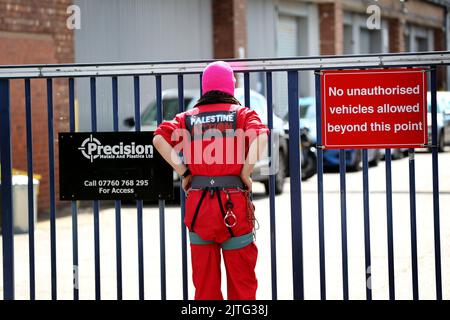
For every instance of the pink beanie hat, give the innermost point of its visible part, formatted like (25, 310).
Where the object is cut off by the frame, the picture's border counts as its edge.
(218, 76)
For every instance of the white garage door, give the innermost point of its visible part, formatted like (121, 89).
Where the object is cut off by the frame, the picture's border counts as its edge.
(287, 46)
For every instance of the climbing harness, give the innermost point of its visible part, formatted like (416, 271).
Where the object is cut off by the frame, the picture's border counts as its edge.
(214, 185)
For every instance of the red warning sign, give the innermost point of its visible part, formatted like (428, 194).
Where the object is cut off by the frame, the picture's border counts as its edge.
(374, 108)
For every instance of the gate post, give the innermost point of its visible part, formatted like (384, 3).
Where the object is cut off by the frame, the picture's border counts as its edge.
(6, 192)
(295, 176)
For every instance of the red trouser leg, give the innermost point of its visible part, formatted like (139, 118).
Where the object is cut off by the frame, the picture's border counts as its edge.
(206, 271)
(241, 278)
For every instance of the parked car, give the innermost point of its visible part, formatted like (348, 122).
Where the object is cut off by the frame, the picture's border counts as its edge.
(257, 102)
(445, 102)
(309, 154)
(353, 158)
(396, 153)
(308, 159)
(443, 118)
(169, 109)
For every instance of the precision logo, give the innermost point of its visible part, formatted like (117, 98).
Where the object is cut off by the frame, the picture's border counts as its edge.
(92, 148)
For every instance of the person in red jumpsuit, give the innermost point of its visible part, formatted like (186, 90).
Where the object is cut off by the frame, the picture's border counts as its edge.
(214, 147)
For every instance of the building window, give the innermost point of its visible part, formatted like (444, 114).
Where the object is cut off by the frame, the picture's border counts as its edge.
(349, 42)
(358, 39)
(370, 41)
(421, 44)
(418, 38)
(407, 43)
(289, 36)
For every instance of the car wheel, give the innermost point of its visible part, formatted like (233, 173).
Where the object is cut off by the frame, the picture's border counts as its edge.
(357, 164)
(376, 160)
(397, 154)
(441, 142)
(279, 176)
(310, 169)
(405, 153)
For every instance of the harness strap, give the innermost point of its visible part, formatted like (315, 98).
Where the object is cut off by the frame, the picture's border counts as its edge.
(238, 242)
(195, 239)
(223, 211)
(198, 208)
(201, 182)
(232, 243)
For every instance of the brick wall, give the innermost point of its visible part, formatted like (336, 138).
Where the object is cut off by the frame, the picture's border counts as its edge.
(441, 45)
(34, 32)
(229, 27)
(331, 28)
(414, 12)
(396, 35)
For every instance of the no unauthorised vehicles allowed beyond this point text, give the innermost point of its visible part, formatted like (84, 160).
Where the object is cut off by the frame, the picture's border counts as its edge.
(374, 108)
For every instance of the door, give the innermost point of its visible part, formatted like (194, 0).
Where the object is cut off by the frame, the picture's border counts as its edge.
(288, 43)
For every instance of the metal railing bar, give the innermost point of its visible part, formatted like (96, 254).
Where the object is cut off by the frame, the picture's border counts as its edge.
(435, 163)
(259, 65)
(51, 169)
(6, 192)
(162, 203)
(273, 237)
(413, 221)
(139, 203)
(247, 89)
(96, 206)
(196, 66)
(367, 253)
(29, 130)
(390, 225)
(181, 108)
(323, 294)
(117, 203)
(344, 243)
(74, 203)
(294, 169)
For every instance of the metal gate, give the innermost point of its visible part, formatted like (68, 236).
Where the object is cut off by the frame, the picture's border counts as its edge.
(291, 67)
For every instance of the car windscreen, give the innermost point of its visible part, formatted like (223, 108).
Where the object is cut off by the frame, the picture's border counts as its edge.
(257, 103)
(445, 102)
(308, 111)
(170, 109)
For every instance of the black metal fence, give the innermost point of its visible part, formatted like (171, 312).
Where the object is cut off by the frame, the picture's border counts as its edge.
(292, 67)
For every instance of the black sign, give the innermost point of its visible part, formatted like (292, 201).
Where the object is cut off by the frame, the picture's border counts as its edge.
(112, 166)
(201, 123)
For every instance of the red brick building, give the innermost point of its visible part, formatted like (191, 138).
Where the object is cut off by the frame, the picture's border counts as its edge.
(412, 25)
(34, 32)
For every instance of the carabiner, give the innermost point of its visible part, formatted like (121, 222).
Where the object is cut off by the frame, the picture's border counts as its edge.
(228, 215)
(229, 205)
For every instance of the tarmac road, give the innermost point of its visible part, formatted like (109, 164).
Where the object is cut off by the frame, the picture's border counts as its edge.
(355, 223)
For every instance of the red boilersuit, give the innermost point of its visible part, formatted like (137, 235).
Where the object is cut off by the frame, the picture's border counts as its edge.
(220, 155)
